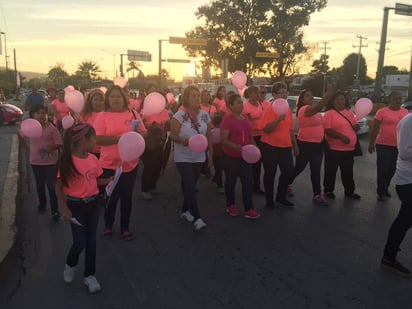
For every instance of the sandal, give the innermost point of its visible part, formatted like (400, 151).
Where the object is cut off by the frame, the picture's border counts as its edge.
(126, 235)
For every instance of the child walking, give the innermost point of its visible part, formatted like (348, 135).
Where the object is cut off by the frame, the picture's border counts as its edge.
(43, 159)
(77, 191)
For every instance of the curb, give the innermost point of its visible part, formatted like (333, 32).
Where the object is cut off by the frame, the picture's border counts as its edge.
(8, 229)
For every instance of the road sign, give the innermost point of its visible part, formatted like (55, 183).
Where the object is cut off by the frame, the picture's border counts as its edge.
(266, 55)
(403, 9)
(138, 55)
(176, 60)
(187, 41)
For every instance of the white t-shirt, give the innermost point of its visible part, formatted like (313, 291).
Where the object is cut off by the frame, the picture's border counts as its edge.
(404, 162)
(183, 153)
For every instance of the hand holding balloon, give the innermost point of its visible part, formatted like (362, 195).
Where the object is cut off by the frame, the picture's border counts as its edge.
(363, 107)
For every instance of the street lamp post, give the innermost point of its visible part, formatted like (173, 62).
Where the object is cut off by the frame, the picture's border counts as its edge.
(5, 50)
(160, 63)
(114, 61)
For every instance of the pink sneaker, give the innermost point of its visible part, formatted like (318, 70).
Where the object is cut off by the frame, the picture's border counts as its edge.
(320, 200)
(252, 214)
(290, 191)
(233, 211)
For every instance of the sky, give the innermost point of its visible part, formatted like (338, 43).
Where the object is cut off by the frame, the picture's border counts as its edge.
(46, 32)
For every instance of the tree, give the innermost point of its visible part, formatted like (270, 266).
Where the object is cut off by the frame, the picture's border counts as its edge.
(87, 71)
(321, 65)
(349, 67)
(133, 66)
(239, 28)
(58, 75)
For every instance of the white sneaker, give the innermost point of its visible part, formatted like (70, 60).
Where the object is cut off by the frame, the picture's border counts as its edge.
(147, 196)
(68, 273)
(92, 283)
(187, 216)
(199, 224)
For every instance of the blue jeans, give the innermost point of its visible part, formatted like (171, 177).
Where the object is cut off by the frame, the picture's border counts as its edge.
(386, 157)
(122, 192)
(271, 158)
(44, 175)
(84, 237)
(402, 223)
(189, 172)
(312, 153)
(234, 168)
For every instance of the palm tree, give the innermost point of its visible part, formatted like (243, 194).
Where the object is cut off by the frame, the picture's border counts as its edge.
(133, 66)
(88, 70)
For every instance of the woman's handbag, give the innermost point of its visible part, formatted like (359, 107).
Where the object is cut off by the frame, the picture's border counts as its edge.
(358, 149)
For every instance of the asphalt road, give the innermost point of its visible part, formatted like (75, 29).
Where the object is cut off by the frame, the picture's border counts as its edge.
(306, 257)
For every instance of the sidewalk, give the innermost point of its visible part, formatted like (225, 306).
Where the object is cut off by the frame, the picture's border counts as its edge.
(9, 174)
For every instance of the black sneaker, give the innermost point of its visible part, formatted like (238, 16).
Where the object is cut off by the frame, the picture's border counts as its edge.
(381, 198)
(41, 209)
(259, 192)
(55, 216)
(396, 267)
(388, 194)
(285, 202)
(330, 195)
(353, 196)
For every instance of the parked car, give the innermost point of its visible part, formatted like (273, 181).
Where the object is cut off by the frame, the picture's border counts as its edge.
(408, 105)
(9, 113)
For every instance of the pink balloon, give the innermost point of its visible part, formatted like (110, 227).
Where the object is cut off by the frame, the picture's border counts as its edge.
(251, 153)
(67, 122)
(280, 106)
(120, 81)
(216, 135)
(131, 146)
(154, 103)
(74, 100)
(170, 97)
(31, 128)
(239, 79)
(198, 143)
(69, 88)
(363, 107)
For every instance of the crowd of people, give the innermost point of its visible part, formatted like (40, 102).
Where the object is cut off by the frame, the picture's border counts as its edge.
(76, 163)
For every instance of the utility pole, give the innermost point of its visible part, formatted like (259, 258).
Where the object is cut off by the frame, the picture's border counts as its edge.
(323, 58)
(357, 79)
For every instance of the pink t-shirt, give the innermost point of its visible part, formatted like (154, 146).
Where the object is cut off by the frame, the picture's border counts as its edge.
(333, 120)
(280, 136)
(115, 124)
(38, 146)
(135, 104)
(254, 113)
(389, 123)
(61, 108)
(310, 128)
(239, 132)
(220, 105)
(210, 109)
(84, 183)
(161, 119)
(90, 119)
